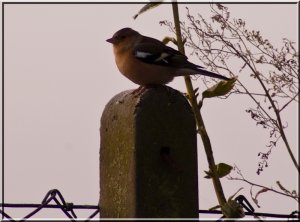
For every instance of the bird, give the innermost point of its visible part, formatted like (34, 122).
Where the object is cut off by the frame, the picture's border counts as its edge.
(147, 61)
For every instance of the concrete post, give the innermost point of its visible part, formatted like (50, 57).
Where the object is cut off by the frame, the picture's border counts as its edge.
(148, 156)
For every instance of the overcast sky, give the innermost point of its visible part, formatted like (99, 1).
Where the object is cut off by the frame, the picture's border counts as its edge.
(60, 73)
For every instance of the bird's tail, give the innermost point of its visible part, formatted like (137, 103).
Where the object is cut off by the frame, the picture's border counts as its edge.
(198, 70)
(211, 74)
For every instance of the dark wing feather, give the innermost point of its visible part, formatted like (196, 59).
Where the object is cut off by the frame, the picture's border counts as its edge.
(155, 52)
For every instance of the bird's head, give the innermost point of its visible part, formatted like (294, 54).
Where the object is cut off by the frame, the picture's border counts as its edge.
(124, 36)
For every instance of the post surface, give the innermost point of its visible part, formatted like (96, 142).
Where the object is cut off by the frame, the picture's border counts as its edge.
(148, 156)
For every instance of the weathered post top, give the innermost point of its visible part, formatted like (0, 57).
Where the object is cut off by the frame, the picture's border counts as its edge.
(148, 156)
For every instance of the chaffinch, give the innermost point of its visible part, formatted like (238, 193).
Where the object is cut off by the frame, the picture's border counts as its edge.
(147, 61)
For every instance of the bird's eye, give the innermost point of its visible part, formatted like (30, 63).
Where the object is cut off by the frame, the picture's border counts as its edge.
(122, 37)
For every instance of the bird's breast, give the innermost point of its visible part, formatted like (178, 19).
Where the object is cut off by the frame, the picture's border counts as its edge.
(143, 73)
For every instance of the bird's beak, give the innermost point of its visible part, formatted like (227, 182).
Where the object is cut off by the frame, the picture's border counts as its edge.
(111, 40)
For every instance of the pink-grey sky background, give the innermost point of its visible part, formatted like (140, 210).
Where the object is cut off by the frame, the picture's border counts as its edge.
(60, 73)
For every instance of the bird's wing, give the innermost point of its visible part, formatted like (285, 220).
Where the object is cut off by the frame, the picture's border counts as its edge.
(155, 52)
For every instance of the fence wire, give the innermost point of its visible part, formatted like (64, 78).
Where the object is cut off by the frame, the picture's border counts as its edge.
(53, 195)
(69, 209)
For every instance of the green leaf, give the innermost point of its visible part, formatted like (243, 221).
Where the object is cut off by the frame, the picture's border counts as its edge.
(214, 208)
(220, 89)
(232, 209)
(232, 196)
(208, 174)
(148, 6)
(168, 39)
(223, 169)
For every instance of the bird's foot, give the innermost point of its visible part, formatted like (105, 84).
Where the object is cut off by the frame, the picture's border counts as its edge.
(137, 92)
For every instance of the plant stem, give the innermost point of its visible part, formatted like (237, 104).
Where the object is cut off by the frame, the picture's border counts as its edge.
(264, 187)
(201, 127)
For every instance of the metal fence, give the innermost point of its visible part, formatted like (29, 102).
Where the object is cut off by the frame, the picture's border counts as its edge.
(70, 209)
